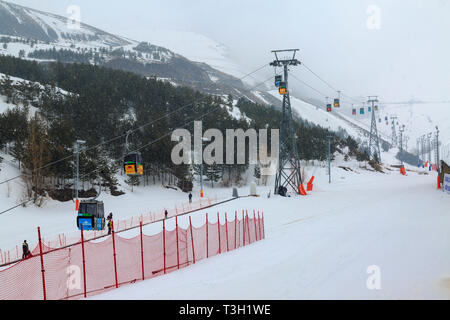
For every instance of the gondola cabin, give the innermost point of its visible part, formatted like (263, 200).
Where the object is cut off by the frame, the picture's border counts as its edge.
(283, 88)
(278, 80)
(133, 165)
(369, 109)
(329, 109)
(376, 108)
(337, 103)
(354, 112)
(91, 214)
(361, 111)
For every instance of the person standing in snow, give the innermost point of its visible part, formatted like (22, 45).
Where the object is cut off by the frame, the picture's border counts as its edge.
(25, 250)
(109, 219)
(190, 197)
(166, 214)
(109, 227)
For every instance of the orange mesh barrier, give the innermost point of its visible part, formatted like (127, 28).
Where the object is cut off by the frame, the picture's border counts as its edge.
(67, 276)
(64, 240)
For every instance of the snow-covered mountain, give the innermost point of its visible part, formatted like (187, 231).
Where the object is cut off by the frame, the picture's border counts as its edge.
(16, 20)
(32, 34)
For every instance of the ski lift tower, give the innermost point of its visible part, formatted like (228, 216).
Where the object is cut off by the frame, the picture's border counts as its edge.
(374, 140)
(288, 172)
(394, 132)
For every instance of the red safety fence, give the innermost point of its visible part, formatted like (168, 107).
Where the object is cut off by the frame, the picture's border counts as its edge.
(66, 239)
(90, 267)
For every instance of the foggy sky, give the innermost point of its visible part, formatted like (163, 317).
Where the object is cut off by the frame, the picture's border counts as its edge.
(408, 57)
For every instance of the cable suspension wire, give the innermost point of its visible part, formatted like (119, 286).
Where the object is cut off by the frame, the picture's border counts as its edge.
(182, 126)
(147, 145)
(320, 78)
(123, 135)
(328, 84)
(304, 83)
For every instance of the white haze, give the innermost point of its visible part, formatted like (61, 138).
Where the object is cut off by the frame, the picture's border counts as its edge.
(406, 58)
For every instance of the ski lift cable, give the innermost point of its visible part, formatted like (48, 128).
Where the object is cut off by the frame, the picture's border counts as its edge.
(147, 145)
(182, 126)
(123, 135)
(328, 84)
(304, 83)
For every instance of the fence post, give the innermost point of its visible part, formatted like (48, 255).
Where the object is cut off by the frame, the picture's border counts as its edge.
(226, 230)
(178, 250)
(218, 228)
(254, 221)
(142, 250)
(248, 227)
(42, 264)
(84, 260)
(264, 231)
(243, 227)
(235, 229)
(259, 226)
(164, 244)
(192, 239)
(114, 253)
(207, 237)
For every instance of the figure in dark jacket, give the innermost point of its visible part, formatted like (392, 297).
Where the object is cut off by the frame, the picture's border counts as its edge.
(25, 250)
(190, 197)
(166, 214)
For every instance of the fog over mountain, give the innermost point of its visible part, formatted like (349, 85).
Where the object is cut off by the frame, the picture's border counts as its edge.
(405, 58)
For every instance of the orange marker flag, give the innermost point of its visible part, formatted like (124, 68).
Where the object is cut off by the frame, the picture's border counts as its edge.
(302, 191)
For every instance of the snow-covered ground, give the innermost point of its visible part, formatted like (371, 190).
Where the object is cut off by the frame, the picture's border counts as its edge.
(318, 246)
(321, 246)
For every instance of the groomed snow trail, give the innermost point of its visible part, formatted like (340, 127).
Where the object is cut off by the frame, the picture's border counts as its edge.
(320, 246)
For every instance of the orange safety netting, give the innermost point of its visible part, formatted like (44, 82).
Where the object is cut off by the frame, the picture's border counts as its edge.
(61, 274)
(63, 240)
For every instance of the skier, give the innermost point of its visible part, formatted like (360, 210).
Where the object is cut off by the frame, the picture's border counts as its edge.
(166, 214)
(25, 249)
(110, 216)
(190, 197)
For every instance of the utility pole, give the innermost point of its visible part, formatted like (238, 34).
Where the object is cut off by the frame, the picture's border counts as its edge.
(374, 141)
(288, 173)
(394, 133)
(429, 146)
(418, 151)
(402, 129)
(201, 169)
(329, 158)
(437, 151)
(422, 140)
(78, 143)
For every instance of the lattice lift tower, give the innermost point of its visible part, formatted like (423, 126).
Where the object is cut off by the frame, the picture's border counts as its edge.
(394, 132)
(374, 140)
(288, 172)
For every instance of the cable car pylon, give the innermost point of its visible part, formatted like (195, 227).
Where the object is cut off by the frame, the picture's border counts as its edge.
(288, 171)
(374, 140)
